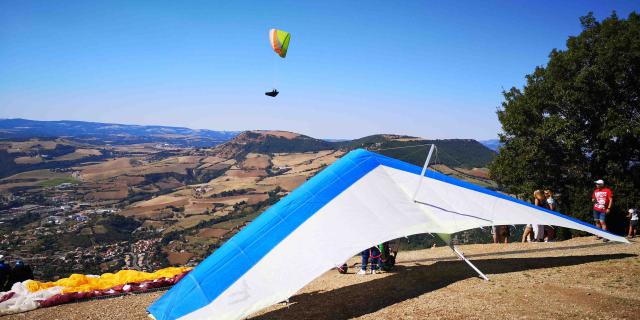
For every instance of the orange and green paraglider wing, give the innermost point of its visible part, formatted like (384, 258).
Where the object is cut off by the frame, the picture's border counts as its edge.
(279, 41)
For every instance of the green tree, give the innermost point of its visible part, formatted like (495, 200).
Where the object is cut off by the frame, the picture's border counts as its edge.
(578, 119)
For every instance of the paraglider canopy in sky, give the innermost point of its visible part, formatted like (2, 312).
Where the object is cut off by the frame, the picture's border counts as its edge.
(279, 41)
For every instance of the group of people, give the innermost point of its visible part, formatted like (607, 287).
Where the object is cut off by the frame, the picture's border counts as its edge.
(540, 232)
(8, 275)
(378, 258)
(532, 232)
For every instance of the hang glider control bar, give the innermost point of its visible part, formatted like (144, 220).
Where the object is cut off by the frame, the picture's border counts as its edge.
(453, 248)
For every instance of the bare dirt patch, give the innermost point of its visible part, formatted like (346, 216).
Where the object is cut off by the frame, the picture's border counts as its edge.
(279, 134)
(244, 173)
(256, 161)
(212, 233)
(25, 146)
(287, 182)
(107, 169)
(482, 173)
(178, 258)
(165, 200)
(293, 159)
(28, 160)
(108, 195)
(152, 210)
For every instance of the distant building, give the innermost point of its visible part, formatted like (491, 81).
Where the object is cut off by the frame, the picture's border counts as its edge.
(64, 185)
(56, 220)
(80, 218)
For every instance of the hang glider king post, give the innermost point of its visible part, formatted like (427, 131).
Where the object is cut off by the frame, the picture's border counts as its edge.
(445, 237)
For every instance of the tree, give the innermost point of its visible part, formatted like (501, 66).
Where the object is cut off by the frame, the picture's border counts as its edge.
(577, 119)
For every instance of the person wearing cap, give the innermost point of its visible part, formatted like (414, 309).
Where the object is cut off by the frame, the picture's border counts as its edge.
(21, 272)
(5, 270)
(633, 223)
(602, 199)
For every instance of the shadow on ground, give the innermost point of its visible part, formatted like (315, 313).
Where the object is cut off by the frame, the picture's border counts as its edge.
(410, 282)
(511, 252)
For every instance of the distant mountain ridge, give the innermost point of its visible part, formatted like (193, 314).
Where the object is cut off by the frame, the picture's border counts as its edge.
(465, 153)
(493, 144)
(111, 133)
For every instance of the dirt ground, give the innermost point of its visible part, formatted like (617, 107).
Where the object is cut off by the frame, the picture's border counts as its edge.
(577, 279)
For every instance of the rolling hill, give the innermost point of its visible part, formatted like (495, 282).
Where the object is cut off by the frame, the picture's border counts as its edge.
(264, 141)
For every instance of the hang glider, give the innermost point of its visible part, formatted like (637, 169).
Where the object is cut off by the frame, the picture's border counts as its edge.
(359, 201)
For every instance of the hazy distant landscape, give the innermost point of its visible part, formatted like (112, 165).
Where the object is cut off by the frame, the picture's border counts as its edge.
(93, 197)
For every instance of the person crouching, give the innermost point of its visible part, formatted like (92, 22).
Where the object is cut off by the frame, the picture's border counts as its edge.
(372, 254)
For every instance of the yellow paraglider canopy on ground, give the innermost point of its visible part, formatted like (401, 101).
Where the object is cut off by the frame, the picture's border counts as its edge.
(83, 283)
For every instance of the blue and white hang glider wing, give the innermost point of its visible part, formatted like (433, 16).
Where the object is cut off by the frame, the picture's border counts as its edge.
(359, 201)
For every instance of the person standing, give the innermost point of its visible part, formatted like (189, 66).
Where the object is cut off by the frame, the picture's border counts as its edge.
(549, 231)
(602, 199)
(633, 223)
(527, 234)
(5, 271)
(540, 201)
(500, 233)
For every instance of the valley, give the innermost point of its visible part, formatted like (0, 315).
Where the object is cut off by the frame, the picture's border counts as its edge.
(69, 206)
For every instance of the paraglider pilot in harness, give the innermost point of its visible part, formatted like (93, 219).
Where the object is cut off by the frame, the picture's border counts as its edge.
(272, 93)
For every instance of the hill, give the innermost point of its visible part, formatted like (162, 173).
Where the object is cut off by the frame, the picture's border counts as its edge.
(97, 133)
(462, 153)
(465, 153)
(264, 141)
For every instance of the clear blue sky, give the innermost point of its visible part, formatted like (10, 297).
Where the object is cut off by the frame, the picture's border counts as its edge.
(354, 68)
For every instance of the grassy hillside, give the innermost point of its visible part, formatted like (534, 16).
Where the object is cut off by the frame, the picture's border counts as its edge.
(465, 153)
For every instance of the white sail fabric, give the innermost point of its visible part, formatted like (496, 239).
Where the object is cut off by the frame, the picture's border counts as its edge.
(361, 200)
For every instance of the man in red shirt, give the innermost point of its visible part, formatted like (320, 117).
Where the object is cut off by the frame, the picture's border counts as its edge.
(602, 199)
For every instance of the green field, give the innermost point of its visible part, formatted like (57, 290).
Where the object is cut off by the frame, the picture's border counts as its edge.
(57, 181)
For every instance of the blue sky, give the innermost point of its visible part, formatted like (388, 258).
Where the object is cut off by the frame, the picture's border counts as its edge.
(354, 68)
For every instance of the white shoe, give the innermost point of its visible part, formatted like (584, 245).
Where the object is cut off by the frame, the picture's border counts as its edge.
(373, 272)
(361, 272)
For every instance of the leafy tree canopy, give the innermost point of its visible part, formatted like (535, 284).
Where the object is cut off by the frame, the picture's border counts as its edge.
(577, 119)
